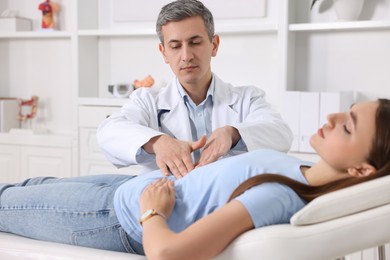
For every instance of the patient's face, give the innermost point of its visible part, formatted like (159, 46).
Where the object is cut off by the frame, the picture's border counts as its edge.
(346, 139)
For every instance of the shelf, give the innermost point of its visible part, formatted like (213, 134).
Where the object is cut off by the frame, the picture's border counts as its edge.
(340, 26)
(229, 28)
(237, 28)
(45, 140)
(102, 101)
(35, 35)
(118, 33)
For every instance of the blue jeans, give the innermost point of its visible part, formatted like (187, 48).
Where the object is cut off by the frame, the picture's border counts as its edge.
(77, 211)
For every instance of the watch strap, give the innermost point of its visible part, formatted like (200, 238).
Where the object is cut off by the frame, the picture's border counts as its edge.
(149, 214)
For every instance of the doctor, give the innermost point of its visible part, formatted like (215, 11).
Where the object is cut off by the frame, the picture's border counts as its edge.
(197, 118)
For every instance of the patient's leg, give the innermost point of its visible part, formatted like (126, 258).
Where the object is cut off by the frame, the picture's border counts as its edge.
(71, 210)
(102, 179)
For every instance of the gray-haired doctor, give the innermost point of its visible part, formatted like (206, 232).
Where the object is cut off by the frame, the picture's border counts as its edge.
(197, 118)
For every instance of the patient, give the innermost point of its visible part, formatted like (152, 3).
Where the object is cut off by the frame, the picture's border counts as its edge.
(199, 215)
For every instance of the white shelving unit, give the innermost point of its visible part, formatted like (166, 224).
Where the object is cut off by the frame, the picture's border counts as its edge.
(37, 62)
(35, 35)
(340, 26)
(328, 55)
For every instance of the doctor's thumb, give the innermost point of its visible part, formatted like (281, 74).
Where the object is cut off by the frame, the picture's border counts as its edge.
(198, 144)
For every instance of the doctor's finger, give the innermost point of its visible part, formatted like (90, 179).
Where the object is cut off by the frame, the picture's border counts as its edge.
(175, 172)
(206, 158)
(164, 169)
(185, 165)
(177, 167)
(188, 165)
(196, 145)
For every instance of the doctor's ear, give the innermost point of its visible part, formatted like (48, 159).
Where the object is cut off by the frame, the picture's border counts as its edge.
(215, 42)
(363, 170)
(162, 50)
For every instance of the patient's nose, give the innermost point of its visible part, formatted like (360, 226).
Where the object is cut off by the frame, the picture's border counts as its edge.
(331, 120)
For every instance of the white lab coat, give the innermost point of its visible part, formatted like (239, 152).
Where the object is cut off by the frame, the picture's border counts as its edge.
(122, 135)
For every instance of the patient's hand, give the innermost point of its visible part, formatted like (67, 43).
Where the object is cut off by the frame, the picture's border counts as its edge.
(160, 195)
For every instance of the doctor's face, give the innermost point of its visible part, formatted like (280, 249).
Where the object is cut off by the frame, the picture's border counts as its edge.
(188, 51)
(346, 139)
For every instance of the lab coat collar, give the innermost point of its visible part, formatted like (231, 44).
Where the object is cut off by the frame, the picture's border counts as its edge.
(225, 98)
(170, 99)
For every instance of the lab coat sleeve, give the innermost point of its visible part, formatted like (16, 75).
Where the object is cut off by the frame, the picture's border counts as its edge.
(122, 135)
(261, 125)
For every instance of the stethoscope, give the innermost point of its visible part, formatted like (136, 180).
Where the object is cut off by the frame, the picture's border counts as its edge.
(160, 113)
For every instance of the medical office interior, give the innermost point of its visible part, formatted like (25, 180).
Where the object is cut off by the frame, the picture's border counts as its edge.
(308, 60)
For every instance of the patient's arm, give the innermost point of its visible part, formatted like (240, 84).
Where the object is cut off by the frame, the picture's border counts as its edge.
(202, 240)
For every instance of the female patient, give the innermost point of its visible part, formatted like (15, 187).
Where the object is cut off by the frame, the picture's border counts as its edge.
(199, 215)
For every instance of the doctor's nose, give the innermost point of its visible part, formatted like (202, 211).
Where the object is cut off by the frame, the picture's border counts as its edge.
(186, 54)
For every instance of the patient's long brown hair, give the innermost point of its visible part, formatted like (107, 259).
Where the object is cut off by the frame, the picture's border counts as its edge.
(379, 157)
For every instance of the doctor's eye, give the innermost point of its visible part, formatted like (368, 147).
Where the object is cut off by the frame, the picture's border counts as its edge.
(196, 42)
(174, 46)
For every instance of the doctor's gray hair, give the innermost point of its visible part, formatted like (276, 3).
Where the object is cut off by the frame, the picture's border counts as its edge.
(182, 9)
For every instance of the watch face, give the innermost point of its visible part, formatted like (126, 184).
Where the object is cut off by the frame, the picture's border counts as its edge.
(147, 213)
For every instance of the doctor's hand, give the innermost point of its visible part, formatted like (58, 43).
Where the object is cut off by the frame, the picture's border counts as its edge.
(172, 155)
(219, 143)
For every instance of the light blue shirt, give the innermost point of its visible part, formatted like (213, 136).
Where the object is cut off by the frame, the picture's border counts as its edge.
(199, 115)
(208, 188)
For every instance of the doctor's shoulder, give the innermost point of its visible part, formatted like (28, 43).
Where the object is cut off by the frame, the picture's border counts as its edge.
(146, 93)
(244, 95)
(250, 90)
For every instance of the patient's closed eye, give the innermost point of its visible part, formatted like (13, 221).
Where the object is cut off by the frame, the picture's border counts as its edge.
(346, 130)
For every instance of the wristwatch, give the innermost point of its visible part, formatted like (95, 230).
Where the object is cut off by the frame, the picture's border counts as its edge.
(150, 213)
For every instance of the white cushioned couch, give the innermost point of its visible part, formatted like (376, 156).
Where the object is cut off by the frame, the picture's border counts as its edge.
(331, 226)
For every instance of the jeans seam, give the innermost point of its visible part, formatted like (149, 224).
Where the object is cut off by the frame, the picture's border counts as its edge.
(81, 233)
(125, 241)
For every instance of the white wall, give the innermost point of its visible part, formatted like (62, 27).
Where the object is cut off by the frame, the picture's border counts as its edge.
(250, 59)
(344, 61)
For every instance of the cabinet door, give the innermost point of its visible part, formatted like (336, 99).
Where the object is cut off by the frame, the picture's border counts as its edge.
(89, 148)
(98, 167)
(93, 161)
(45, 161)
(9, 163)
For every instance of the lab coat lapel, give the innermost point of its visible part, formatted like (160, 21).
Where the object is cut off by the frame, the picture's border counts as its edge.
(176, 121)
(224, 112)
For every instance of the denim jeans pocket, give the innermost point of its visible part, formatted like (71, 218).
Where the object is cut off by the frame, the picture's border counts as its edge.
(130, 244)
(107, 238)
